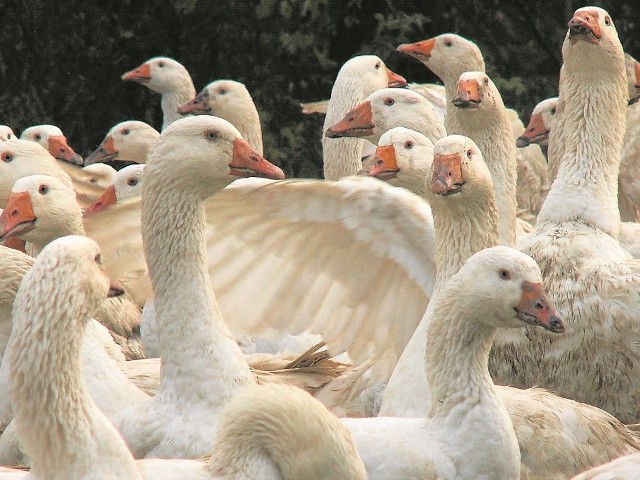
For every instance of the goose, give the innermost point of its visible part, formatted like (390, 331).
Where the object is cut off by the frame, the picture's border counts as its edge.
(495, 288)
(469, 215)
(385, 109)
(591, 276)
(6, 133)
(42, 208)
(52, 138)
(628, 189)
(127, 141)
(626, 467)
(20, 158)
(101, 174)
(167, 77)
(357, 78)
(540, 122)
(232, 101)
(448, 56)
(127, 184)
(263, 431)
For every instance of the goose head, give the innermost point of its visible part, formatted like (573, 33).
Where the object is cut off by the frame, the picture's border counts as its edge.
(592, 42)
(202, 154)
(458, 173)
(477, 91)
(383, 110)
(126, 141)
(633, 78)
(220, 98)
(507, 285)
(40, 209)
(542, 120)
(6, 133)
(447, 55)
(369, 70)
(20, 158)
(100, 174)
(403, 158)
(160, 74)
(127, 183)
(52, 138)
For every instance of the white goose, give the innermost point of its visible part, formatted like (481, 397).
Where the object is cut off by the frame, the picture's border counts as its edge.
(385, 109)
(170, 79)
(127, 141)
(464, 208)
(67, 436)
(623, 468)
(52, 138)
(6, 133)
(594, 280)
(495, 288)
(232, 101)
(540, 123)
(449, 56)
(196, 382)
(357, 78)
(126, 184)
(101, 174)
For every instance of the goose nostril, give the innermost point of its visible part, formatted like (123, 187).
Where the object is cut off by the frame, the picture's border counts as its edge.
(539, 306)
(14, 212)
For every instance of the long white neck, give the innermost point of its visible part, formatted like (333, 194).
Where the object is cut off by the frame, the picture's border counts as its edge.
(491, 130)
(342, 156)
(201, 362)
(585, 148)
(246, 119)
(170, 101)
(61, 429)
(70, 224)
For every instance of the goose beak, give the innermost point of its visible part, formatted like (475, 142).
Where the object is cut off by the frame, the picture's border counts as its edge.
(535, 308)
(16, 244)
(197, 106)
(115, 288)
(468, 94)
(247, 163)
(536, 132)
(60, 149)
(105, 200)
(636, 69)
(106, 152)
(395, 80)
(447, 174)
(141, 74)
(382, 165)
(584, 26)
(18, 217)
(421, 51)
(356, 123)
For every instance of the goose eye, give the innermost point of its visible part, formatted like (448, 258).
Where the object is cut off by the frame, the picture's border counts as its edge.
(448, 43)
(553, 111)
(98, 259)
(607, 20)
(377, 65)
(505, 274)
(38, 136)
(389, 101)
(408, 144)
(211, 136)
(132, 182)
(486, 80)
(43, 189)
(161, 64)
(469, 153)
(93, 180)
(125, 131)
(7, 157)
(222, 91)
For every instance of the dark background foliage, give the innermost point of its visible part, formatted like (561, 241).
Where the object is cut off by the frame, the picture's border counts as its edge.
(60, 62)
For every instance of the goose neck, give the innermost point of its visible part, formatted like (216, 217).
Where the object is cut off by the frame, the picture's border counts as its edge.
(170, 101)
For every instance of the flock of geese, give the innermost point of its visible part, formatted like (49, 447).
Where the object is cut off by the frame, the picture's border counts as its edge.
(403, 260)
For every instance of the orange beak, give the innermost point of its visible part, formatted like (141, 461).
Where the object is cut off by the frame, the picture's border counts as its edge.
(140, 74)
(16, 244)
(395, 80)
(247, 163)
(535, 308)
(536, 132)
(105, 200)
(18, 217)
(197, 106)
(382, 165)
(356, 123)
(106, 152)
(468, 94)
(584, 26)
(421, 51)
(115, 288)
(447, 174)
(60, 149)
